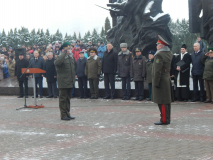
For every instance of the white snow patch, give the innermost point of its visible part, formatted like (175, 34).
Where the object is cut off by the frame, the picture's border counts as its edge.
(62, 135)
(170, 128)
(20, 133)
(151, 127)
(148, 7)
(158, 16)
(101, 127)
(25, 110)
(201, 13)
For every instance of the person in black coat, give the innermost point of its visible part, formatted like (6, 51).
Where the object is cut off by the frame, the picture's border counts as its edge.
(109, 68)
(22, 63)
(182, 73)
(38, 62)
(51, 76)
(80, 74)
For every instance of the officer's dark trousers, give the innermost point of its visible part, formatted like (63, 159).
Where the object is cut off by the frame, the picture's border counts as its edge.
(21, 83)
(126, 87)
(64, 101)
(195, 85)
(150, 90)
(82, 84)
(165, 110)
(52, 89)
(93, 84)
(139, 89)
(39, 81)
(109, 78)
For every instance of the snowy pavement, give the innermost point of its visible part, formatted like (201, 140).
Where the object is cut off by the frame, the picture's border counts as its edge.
(104, 129)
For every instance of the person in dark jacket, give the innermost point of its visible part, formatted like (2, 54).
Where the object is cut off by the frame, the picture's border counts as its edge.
(124, 63)
(38, 62)
(207, 60)
(80, 74)
(51, 76)
(22, 63)
(109, 68)
(138, 73)
(93, 71)
(149, 64)
(197, 72)
(182, 74)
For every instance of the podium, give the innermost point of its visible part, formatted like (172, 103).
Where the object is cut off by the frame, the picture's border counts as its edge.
(33, 71)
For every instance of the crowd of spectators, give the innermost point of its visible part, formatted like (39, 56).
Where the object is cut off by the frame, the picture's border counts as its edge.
(92, 60)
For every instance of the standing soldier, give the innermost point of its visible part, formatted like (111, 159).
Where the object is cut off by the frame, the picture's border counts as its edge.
(161, 81)
(149, 65)
(65, 68)
(124, 63)
(207, 60)
(138, 72)
(93, 71)
(80, 74)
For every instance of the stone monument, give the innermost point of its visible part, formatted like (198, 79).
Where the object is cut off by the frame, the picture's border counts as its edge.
(201, 19)
(138, 23)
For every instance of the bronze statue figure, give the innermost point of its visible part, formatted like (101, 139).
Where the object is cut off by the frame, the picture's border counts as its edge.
(201, 18)
(139, 24)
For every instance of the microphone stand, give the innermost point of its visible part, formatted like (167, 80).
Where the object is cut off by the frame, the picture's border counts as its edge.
(25, 101)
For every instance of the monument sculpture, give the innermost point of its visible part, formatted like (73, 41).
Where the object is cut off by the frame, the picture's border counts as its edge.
(201, 19)
(138, 23)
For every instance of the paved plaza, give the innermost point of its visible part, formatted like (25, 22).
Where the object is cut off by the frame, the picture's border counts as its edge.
(104, 129)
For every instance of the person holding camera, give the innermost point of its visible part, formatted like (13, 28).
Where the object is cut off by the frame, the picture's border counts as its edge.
(65, 68)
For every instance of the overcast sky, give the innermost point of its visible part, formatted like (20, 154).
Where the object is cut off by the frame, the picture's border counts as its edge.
(68, 15)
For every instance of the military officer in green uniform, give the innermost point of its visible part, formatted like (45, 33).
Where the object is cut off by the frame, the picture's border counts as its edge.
(207, 60)
(93, 71)
(161, 82)
(65, 68)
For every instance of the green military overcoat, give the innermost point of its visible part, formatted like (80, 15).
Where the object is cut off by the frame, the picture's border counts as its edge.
(208, 70)
(161, 82)
(93, 67)
(65, 68)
